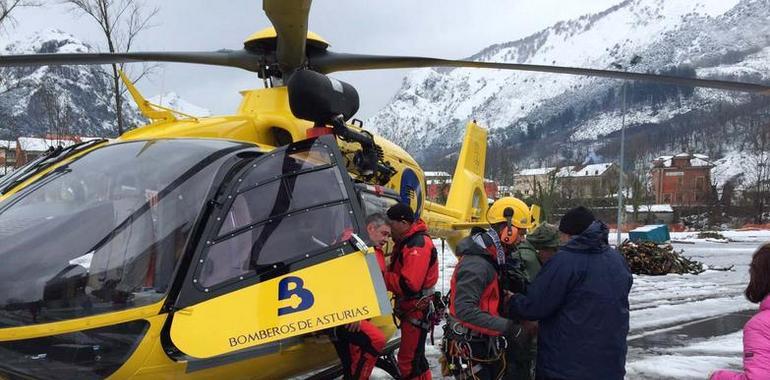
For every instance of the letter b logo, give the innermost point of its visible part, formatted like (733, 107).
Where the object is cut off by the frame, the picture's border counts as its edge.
(293, 286)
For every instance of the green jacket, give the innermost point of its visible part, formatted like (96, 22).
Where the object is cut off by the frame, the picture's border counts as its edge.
(527, 253)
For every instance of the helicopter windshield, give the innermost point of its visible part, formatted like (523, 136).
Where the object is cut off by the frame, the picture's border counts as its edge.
(104, 232)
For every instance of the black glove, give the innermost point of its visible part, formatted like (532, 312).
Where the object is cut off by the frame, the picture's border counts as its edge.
(514, 283)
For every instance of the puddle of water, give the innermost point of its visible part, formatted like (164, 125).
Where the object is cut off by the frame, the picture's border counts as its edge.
(693, 332)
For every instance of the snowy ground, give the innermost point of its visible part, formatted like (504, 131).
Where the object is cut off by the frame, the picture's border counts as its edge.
(682, 326)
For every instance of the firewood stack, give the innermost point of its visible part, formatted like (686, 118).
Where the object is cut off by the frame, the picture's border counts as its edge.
(653, 259)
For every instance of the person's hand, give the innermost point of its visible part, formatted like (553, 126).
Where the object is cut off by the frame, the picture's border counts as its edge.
(507, 296)
(354, 327)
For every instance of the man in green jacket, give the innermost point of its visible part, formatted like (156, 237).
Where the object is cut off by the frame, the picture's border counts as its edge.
(539, 246)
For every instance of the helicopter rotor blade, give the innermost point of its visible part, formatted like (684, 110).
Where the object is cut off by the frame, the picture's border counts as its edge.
(231, 58)
(290, 20)
(329, 62)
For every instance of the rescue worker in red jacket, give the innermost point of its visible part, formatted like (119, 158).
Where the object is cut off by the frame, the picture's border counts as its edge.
(359, 344)
(476, 332)
(411, 276)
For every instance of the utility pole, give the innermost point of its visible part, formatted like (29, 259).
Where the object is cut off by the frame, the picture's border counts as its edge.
(622, 163)
(635, 60)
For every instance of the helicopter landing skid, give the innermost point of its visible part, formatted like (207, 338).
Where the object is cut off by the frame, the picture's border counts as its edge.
(386, 362)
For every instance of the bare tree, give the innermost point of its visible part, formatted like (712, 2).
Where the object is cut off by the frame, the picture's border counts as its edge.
(545, 194)
(57, 110)
(8, 6)
(759, 173)
(121, 21)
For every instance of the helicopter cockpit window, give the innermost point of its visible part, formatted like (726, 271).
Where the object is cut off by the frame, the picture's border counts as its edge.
(282, 163)
(104, 232)
(289, 206)
(378, 203)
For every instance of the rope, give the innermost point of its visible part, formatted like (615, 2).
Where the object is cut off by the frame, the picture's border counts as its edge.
(443, 266)
(459, 352)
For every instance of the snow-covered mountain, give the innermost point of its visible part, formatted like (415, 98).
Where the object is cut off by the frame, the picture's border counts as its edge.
(566, 117)
(173, 101)
(74, 100)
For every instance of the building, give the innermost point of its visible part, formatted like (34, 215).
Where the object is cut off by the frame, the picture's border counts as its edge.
(682, 180)
(589, 181)
(650, 214)
(526, 181)
(572, 182)
(437, 186)
(7, 156)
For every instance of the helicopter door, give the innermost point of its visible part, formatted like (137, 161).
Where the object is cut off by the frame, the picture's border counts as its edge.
(280, 256)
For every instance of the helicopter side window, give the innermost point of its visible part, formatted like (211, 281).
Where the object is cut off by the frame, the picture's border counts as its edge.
(281, 163)
(292, 192)
(288, 207)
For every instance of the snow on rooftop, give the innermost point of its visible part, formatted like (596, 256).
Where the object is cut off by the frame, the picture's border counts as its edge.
(565, 171)
(695, 159)
(535, 171)
(699, 162)
(436, 174)
(586, 171)
(651, 208)
(7, 144)
(648, 228)
(35, 144)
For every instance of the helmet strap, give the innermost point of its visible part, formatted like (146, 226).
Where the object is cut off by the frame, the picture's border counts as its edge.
(498, 246)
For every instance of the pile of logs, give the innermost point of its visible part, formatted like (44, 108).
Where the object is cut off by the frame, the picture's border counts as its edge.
(653, 259)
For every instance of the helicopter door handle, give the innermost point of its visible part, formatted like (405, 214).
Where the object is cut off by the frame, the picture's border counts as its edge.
(186, 311)
(359, 243)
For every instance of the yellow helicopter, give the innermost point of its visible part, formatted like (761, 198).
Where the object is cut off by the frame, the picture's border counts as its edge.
(220, 247)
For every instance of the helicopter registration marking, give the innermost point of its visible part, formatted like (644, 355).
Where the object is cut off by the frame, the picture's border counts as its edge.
(339, 291)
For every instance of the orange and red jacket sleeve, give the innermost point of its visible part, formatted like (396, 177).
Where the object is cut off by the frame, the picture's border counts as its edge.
(416, 271)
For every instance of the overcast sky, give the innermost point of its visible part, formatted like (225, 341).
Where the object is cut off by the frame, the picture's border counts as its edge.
(441, 28)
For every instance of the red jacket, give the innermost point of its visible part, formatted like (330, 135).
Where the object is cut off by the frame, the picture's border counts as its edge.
(474, 296)
(414, 265)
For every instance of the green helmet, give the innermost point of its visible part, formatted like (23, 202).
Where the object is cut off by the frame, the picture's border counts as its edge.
(544, 236)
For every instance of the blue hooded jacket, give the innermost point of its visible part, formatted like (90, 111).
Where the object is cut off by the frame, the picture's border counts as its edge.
(580, 298)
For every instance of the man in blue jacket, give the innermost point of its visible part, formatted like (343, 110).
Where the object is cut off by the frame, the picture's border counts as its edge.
(580, 298)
